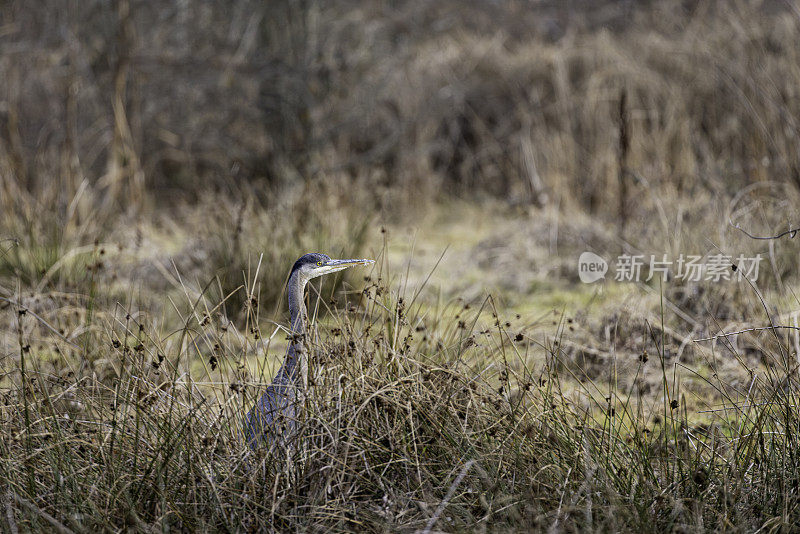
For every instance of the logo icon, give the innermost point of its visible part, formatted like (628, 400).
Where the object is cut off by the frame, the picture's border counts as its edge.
(591, 267)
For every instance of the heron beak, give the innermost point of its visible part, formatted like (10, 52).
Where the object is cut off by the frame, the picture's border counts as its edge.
(339, 265)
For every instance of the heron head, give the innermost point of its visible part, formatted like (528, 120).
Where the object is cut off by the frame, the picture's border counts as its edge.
(315, 264)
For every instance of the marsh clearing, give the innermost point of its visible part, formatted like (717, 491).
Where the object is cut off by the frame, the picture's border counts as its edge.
(473, 328)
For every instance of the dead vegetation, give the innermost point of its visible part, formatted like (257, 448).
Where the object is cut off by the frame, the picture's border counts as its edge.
(162, 166)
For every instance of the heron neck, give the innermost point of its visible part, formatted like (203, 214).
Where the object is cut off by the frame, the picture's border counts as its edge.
(291, 372)
(297, 306)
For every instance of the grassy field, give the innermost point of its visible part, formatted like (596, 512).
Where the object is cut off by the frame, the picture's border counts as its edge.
(162, 167)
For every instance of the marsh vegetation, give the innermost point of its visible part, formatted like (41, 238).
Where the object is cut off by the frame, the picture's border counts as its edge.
(161, 167)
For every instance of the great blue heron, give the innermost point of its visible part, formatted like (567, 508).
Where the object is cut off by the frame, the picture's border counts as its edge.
(274, 418)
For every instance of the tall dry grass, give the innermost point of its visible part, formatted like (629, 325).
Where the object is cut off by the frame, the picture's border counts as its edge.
(161, 166)
(413, 420)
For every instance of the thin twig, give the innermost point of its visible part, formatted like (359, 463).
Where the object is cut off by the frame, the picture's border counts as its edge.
(450, 492)
(757, 329)
(44, 323)
(791, 233)
(57, 526)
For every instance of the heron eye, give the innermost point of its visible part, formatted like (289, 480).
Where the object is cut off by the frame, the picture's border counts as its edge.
(319, 263)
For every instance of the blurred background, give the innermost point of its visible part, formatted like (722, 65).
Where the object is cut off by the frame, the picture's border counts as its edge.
(528, 102)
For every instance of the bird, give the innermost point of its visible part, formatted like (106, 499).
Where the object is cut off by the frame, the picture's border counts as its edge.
(273, 420)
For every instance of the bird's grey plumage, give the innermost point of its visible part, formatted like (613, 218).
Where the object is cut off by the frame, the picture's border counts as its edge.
(273, 420)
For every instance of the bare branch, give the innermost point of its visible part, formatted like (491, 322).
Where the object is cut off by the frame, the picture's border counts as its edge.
(757, 329)
(791, 233)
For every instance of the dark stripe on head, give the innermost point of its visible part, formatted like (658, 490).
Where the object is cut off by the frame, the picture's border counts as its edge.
(305, 259)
